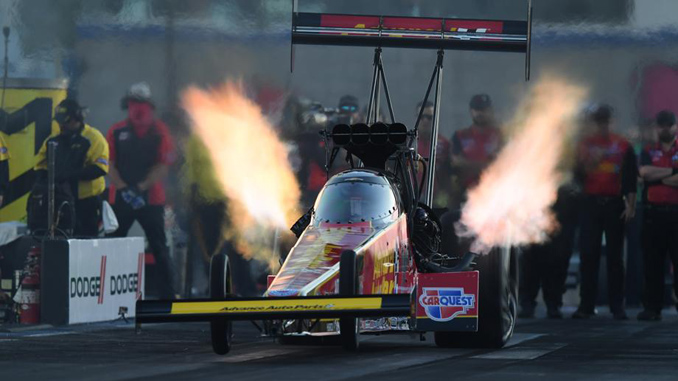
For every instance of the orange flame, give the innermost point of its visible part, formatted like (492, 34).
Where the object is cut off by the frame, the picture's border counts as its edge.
(251, 166)
(511, 204)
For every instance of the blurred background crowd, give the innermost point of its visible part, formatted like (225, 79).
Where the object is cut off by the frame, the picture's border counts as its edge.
(146, 52)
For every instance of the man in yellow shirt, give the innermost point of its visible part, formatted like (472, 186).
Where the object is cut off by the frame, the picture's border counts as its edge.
(4, 170)
(81, 162)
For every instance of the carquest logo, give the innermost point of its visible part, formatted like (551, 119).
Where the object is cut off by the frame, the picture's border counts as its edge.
(445, 303)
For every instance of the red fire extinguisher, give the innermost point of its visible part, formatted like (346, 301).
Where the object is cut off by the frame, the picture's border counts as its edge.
(29, 303)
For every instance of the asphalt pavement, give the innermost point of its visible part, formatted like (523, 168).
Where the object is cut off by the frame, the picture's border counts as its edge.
(596, 349)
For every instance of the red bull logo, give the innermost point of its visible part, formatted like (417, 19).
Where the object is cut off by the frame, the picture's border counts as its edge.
(445, 303)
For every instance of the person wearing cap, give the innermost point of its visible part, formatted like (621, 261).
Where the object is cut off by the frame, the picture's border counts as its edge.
(4, 170)
(81, 162)
(472, 150)
(474, 147)
(607, 167)
(141, 152)
(349, 110)
(443, 171)
(659, 170)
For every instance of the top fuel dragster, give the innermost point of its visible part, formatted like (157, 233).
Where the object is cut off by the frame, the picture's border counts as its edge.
(368, 259)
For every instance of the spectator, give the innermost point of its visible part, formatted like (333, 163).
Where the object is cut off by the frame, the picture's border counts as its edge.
(659, 170)
(81, 162)
(141, 153)
(4, 170)
(607, 166)
(443, 169)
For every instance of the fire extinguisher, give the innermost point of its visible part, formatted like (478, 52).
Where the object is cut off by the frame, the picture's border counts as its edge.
(29, 304)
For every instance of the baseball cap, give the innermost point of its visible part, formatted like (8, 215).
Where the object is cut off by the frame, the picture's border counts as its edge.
(68, 109)
(140, 92)
(480, 102)
(665, 118)
(602, 113)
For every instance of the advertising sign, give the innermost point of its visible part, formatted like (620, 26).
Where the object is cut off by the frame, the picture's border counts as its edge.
(104, 275)
(25, 123)
(90, 280)
(447, 301)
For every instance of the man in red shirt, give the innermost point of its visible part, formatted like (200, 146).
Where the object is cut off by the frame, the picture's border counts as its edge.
(607, 167)
(474, 148)
(659, 170)
(141, 151)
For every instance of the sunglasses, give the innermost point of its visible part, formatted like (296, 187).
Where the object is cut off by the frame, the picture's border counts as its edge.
(349, 108)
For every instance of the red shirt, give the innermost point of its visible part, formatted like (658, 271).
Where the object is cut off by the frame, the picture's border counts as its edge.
(134, 156)
(605, 179)
(655, 156)
(476, 144)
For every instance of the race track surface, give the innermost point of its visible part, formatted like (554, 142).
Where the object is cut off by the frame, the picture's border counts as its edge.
(597, 349)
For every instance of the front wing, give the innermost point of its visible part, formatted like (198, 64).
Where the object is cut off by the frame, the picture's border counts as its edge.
(439, 302)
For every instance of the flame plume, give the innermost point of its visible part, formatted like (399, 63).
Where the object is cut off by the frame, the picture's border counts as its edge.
(251, 166)
(511, 204)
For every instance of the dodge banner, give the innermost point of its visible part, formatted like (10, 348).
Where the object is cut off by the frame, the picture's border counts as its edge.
(91, 280)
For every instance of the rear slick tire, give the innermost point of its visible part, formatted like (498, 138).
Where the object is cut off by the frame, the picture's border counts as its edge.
(221, 329)
(349, 328)
(497, 304)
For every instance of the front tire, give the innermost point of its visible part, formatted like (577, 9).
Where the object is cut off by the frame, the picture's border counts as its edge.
(497, 304)
(221, 329)
(348, 286)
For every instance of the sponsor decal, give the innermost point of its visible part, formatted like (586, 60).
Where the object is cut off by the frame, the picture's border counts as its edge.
(298, 307)
(275, 305)
(445, 303)
(84, 287)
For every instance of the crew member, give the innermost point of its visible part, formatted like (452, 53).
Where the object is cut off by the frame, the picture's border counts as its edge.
(141, 153)
(443, 170)
(607, 167)
(81, 161)
(4, 170)
(349, 110)
(659, 170)
(545, 265)
(474, 148)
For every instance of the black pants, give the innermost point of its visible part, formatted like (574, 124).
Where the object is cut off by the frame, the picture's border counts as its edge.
(152, 220)
(602, 215)
(660, 237)
(87, 217)
(546, 265)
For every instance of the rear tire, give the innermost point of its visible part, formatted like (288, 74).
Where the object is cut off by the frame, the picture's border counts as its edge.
(348, 286)
(497, 304)
(221, 329)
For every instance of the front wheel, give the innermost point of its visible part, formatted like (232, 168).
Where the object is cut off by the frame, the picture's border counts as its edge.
(497, 304)
(221, 329)
(348, 286)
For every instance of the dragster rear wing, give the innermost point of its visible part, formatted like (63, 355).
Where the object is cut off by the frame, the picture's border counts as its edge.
(415, 32)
